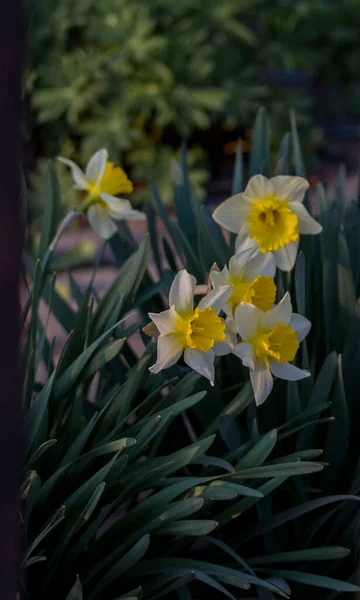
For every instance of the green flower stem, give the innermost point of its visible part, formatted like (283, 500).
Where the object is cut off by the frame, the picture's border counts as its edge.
(71, 216)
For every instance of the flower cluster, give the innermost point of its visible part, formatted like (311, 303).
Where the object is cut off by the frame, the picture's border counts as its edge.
(239, 315)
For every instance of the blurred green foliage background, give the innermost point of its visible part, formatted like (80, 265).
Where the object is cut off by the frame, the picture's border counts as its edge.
(137, 76)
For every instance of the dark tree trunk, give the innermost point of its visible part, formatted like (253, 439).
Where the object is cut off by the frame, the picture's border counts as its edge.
(11, 57)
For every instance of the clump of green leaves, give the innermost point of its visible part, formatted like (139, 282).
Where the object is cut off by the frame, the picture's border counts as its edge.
(137, 76)
(144, 486)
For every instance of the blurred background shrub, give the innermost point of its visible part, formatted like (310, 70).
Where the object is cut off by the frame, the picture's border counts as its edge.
(139, 76)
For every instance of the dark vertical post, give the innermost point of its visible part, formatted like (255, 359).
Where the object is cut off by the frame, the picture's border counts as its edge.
(11, 58)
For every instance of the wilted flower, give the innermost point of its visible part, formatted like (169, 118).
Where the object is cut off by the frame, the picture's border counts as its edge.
(269, 215)
(102, 180)
(270, 341)
(251, 275)
(196, 332)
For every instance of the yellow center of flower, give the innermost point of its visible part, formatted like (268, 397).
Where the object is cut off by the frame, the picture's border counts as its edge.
(280, 343)
(113, 182)
(260, 292)
(202, 329)
(272, 223)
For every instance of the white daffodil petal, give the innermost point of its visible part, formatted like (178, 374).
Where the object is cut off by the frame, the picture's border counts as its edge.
(222, 348)
(96, 166)
(120, 209)
(239, 261)
(245, 352)
(216, 298)
(133, 215)
(227, 346)
(289, 188)
(262, 264)
(219, 279)
(301, 325)
(261, 381)
(78, 175)
(247, 318)
(165, 321)
(281, 313)
(100, 221)
(181, 294)
(244, 242)
(232, 213)
(169, 350)
(285, 257)
(258, 187)
(117, 207)
(201, 362)
(287, 371)
(307, 224)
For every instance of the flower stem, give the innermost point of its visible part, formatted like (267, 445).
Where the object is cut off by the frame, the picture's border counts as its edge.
(71, 216)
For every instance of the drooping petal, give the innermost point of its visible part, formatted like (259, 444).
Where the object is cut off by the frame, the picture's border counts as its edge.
(96, 166)
(307, 224)
(165, 321)
(169, 350)
(285, 257)
(245, 352)
(216, 298)
(181, 294)
(287, 371)
(100, 221)
(201, 362)
(261, 381)
(301, 324)
(232, 213)
(289, 188)
(240, 260)
(120, 209)
(116, 206)
(247, 318)
(78, 175)
(281, 313)
(258, 187)
(262, 264)
(220, 278)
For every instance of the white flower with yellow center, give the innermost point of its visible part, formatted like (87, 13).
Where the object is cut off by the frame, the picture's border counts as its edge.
(252, 278)
(270, 340)
(196, 332)
(269, 215)
(102, 180)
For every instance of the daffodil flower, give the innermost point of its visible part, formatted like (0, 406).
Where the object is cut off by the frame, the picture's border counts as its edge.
(252, 276)
(269, 215)
(270, 341)
(102, 180)
(197, 332)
